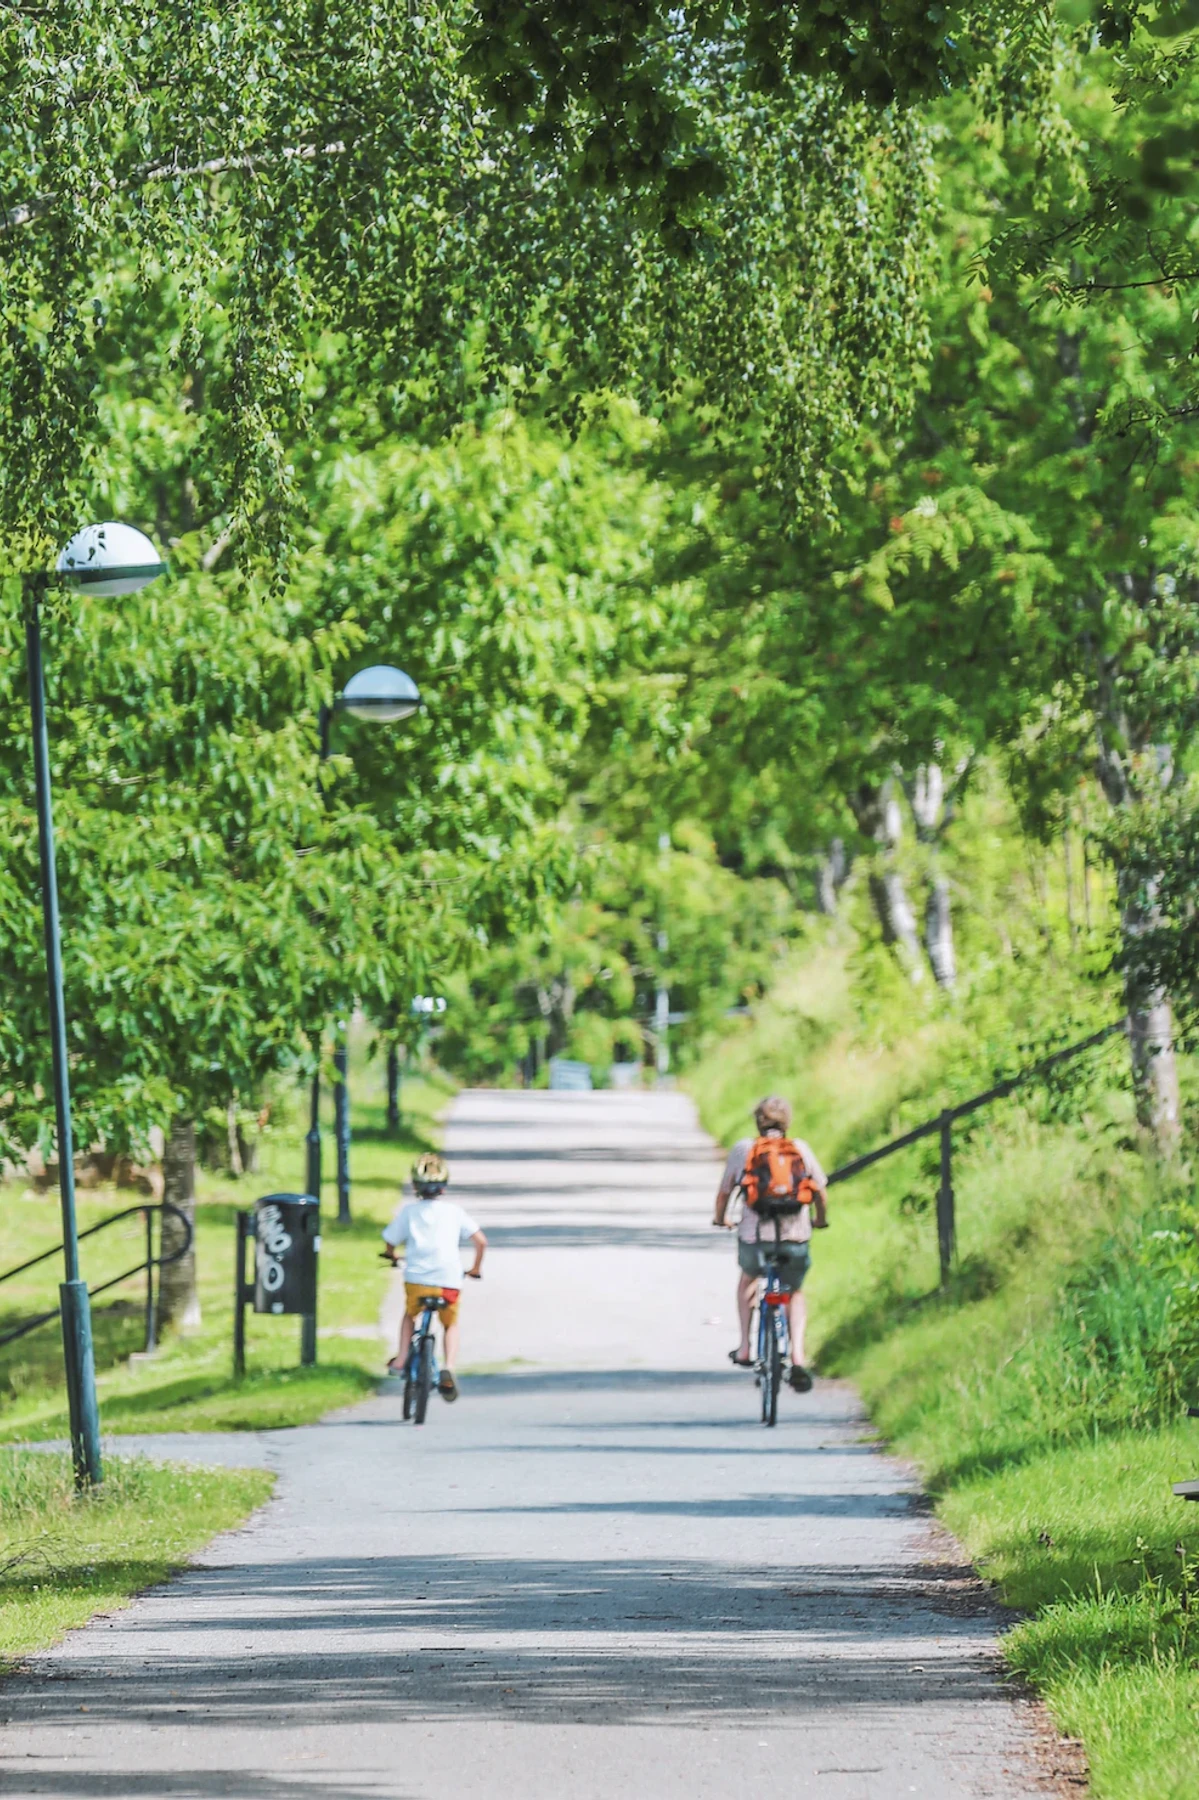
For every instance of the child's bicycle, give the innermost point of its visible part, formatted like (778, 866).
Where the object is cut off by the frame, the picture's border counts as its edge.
(421, 1371)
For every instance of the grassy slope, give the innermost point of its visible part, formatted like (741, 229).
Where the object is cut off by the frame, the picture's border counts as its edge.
(188, 1386)
(1026, 1411)
(64, 1558)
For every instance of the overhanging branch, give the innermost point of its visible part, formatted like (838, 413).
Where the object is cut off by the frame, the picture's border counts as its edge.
(29, 211)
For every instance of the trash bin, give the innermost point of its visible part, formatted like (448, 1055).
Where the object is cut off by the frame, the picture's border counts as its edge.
(286, 1243)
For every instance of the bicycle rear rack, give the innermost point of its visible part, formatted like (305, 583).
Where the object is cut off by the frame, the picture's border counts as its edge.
(149, 1263)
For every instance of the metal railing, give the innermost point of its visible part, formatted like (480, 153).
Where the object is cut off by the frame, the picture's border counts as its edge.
(943, 1123)
(149, 1263)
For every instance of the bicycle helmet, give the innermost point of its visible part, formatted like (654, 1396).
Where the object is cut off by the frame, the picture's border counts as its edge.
(430, 1174)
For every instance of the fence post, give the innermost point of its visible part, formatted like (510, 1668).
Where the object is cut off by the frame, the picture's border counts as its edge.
(308, 1327)
(151, 1310)
(945, 1208)
(341, 1128)
(239, 1295)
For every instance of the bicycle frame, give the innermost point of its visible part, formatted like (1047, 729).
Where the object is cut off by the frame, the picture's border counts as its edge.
(422, 1329)
(774, 1299)
(774, 1333)
(421, 1373)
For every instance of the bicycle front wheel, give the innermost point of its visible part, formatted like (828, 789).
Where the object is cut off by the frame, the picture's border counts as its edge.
(424, 1378)
(772, 1370)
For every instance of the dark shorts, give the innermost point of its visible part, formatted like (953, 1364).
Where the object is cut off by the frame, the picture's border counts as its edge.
(794, 1261)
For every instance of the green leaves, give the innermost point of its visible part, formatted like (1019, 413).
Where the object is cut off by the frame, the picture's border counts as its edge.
(216, 910)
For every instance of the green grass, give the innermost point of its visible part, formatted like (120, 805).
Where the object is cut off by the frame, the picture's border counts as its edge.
(64, 1557)
(1041, 1393)
(189, 1385)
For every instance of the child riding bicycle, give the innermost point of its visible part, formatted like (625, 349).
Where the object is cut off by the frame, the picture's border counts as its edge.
(432, 1230)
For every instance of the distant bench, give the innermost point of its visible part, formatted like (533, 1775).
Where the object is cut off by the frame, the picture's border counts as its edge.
(569, 1077)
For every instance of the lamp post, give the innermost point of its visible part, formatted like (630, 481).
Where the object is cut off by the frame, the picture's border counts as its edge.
(104, 559)
(384, 695)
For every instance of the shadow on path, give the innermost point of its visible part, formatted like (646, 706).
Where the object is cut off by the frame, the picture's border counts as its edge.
(599, 1641)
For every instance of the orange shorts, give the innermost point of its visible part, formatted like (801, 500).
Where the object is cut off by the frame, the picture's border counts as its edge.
(415, 1296)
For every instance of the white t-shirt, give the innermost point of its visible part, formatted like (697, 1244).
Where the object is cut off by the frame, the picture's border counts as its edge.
(433, 1231)
(794, 1230)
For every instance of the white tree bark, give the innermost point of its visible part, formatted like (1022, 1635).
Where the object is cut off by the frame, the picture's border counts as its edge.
(231, 1138)
(926, 794)
(1150, 1014)
(834, 868)
(878, 813)
(901, 922)
(1150, 1031)
(928, 797)
(179, 1299)
(938, 934)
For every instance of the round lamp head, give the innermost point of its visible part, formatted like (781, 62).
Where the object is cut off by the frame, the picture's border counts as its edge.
(111, 559)
(381, 693)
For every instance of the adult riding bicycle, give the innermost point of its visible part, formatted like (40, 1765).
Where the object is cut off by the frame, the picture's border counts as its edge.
(782, 1191)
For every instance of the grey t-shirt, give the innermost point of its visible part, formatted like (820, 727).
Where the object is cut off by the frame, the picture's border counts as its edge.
(795, 1230)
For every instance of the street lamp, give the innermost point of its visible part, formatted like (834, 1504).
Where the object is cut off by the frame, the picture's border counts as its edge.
(104, 559)
(384, 695)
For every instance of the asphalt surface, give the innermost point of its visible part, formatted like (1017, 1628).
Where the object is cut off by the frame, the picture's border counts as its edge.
(596, 1575)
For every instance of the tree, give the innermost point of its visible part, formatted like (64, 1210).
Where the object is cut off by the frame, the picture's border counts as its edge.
(600, 79)
(269, 244)
(220, 900)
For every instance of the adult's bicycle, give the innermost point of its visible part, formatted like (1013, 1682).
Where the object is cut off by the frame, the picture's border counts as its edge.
(774, 1333)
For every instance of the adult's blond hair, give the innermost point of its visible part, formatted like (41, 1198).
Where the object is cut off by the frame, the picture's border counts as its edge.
(774, 1110)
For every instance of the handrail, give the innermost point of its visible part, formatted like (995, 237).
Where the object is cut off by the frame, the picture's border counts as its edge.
(150, 1262)
(946, 1229)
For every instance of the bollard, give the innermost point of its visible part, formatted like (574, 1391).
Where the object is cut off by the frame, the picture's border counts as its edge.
(243, 1292)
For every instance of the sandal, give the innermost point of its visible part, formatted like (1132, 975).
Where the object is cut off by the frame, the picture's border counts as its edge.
(740, 1362)
(447, 1387)
(800, 1380)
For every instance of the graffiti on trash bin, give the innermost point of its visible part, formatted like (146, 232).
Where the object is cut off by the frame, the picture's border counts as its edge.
(274, 1241)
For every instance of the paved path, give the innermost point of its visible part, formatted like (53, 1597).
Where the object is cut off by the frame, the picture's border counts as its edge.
(596, 1575)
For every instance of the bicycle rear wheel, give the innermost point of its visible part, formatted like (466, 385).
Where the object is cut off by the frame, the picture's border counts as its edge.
(772, 1370)
(424, 1377)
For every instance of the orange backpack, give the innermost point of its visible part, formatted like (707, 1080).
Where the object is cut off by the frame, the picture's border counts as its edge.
(777, 1182)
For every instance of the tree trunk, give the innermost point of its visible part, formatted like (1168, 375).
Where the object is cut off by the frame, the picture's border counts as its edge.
(900, 921)
(179, 1301)
(393, 1086)
(926, 795)
(1150, 1029)
(938, 934)
(236, 1166)
(877, 813)
(834, 868)
(1150, 1014)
